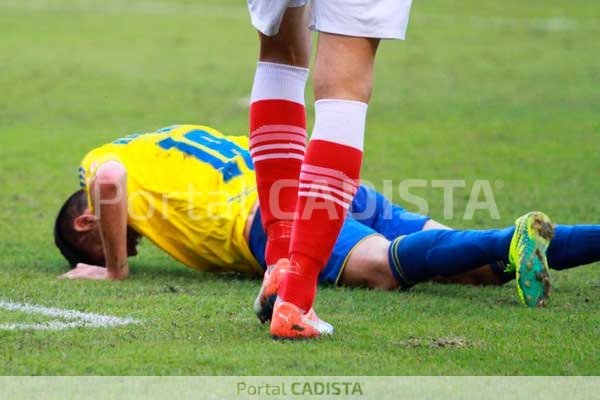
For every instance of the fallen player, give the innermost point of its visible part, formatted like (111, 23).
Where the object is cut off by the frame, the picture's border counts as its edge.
(191, 191)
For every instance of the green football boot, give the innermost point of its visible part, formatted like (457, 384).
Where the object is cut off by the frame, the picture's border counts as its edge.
(528, 257)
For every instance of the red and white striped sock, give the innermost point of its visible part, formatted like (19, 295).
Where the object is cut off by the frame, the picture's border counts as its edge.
(328, 182)
(277, 146)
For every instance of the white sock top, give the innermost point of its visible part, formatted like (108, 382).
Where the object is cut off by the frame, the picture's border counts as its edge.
(279, 81)
(340, 121)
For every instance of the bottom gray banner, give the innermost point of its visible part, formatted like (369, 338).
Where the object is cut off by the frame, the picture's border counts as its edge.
(299, 387)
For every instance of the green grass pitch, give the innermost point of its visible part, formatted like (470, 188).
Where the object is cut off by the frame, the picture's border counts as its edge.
(479, 90)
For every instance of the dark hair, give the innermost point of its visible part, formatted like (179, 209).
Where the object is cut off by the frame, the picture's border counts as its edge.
(65, 235)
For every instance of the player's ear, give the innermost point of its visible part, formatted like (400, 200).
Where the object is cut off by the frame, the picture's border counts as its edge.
(85, 222)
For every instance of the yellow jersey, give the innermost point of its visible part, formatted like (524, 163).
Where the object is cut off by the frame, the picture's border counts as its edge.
(190, 191)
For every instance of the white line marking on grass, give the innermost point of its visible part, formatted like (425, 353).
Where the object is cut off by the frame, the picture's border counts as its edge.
(74, 319)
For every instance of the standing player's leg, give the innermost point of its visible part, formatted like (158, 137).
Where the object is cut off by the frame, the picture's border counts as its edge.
(331, 167)
(278, 129)
(278, 115)
(349, 34)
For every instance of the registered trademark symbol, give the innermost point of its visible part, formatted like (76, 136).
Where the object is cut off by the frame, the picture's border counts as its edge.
(499, 183)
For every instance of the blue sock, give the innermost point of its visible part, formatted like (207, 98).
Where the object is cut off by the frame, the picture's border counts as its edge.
(422, 255)
(573, 246)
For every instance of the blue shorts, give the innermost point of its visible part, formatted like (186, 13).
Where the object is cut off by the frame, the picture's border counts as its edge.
(370, 214)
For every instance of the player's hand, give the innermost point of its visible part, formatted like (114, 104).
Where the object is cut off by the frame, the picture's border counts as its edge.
(86, 271)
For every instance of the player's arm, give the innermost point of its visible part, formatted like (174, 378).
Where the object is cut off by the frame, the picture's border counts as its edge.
(108, 194)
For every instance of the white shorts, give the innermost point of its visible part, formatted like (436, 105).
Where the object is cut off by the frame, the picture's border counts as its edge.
(383, 19)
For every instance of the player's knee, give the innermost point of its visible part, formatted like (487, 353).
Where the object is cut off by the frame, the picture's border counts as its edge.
(281, 51)
(368, 266)
(334, 85)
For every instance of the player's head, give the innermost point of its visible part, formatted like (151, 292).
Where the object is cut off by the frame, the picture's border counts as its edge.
(75, 232)
(77, 236)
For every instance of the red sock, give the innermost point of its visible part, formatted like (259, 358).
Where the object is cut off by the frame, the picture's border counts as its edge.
(277, 142)
(277, 146)
(328, 182)
(324, 196)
